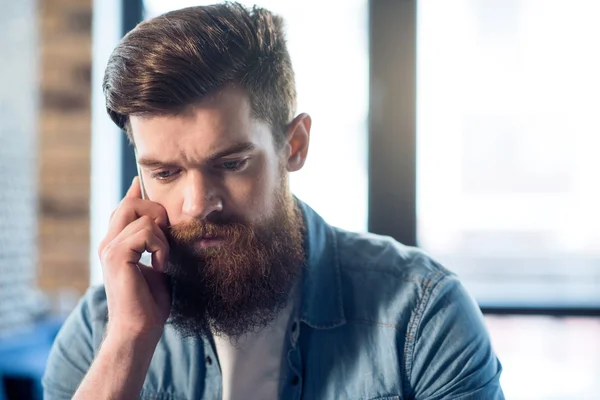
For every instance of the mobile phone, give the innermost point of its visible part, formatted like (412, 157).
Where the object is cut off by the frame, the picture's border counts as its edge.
(139, 172)
(146, 257)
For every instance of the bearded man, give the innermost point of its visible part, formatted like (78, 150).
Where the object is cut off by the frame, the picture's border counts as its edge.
(250, 293)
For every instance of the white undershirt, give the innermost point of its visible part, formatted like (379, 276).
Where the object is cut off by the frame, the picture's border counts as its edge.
(251, 368)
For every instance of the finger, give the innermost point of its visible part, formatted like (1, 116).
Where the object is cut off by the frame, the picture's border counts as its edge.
(159, 285)
(130, 210)
(107, 239)
(144, 222)
(144, 240)
(135, 190)
(129, 248)
(156, 279)
(112, 214)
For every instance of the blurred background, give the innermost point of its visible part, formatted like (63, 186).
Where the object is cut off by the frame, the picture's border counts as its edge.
(469, 128)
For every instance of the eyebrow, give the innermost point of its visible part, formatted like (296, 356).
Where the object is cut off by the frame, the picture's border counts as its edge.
(234, 149)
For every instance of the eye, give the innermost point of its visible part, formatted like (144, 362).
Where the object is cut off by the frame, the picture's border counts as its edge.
(235, 165)
(164, 175)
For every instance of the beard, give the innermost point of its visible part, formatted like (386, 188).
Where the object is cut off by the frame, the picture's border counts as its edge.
(240, 284)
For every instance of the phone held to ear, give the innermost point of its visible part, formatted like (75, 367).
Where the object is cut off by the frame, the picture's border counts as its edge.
(146, 257)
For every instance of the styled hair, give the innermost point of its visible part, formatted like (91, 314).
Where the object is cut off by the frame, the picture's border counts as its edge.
(170, 63)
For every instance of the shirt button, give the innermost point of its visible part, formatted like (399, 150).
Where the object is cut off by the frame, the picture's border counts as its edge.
(208, 360)
(295, 380)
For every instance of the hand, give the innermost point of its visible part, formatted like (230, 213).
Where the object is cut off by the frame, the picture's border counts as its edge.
(139, 299)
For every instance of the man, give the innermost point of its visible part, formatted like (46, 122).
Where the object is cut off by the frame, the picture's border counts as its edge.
(250, 294)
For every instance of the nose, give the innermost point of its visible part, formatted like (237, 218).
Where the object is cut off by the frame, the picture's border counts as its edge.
(201, 198)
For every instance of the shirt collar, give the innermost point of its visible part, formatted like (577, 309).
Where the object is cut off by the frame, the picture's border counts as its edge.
(322, 303)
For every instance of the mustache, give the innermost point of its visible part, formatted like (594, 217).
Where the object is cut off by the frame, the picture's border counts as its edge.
(192, 231)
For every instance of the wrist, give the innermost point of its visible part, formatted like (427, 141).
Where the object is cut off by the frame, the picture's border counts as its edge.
(120, 367)
(140, 341)
(128, 332)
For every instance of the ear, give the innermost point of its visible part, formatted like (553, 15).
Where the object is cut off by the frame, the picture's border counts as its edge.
(298, 138)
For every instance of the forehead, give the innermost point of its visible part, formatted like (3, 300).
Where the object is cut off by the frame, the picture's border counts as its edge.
(219, 121)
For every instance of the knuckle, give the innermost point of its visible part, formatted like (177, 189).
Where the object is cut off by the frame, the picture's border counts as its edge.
(145, 220)
(148, 234)
(162, 246)
(121, 211)
(101, 248)
(161, 215)
(107, 254)
(142, 235)
(127, 203)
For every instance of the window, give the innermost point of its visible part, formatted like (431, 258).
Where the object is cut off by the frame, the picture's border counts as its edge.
(508, 135)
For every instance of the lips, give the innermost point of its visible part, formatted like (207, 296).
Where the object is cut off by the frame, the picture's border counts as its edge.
(207, 241)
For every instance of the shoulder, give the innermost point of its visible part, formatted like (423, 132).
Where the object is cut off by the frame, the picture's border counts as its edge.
(366, 254)
(400, 292)
(380, 276)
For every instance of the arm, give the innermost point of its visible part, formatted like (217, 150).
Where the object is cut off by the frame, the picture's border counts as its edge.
(79, 346)
(138, 303)
(119, 370)
(451, 356)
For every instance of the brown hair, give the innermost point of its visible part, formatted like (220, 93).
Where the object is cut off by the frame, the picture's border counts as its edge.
(169, 63)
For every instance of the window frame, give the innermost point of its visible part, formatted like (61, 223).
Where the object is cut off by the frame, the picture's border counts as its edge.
(132, 14)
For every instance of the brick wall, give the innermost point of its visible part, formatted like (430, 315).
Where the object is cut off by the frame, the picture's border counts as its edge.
(64, 144)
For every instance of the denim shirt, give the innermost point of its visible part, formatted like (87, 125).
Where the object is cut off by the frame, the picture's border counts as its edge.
(376, 320)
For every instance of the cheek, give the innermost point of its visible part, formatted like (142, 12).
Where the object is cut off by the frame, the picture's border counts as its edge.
(253, 193)
(172, 202)
(168, 196)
